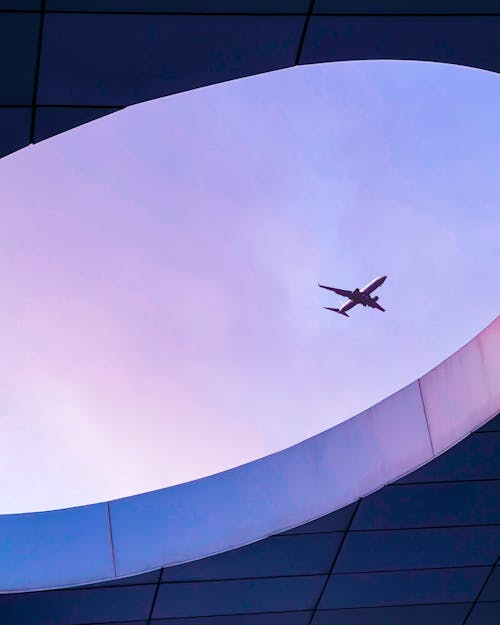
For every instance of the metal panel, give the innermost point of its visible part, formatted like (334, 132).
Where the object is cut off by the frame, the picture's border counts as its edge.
(245, 504)
(463, 391)
(49, 549)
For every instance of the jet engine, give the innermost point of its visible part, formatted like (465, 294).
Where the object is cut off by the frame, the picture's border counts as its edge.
(375, 299)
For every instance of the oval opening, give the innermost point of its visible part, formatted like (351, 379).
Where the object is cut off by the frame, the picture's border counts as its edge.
(161, 318)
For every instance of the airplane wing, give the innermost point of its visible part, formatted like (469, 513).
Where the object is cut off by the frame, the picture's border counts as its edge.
(341, 292)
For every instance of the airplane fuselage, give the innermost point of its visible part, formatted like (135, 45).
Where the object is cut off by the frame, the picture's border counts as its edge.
(358, 296)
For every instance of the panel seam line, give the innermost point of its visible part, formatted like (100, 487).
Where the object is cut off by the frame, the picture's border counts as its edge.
(37, 72)
(426, 417)
(480, 591)
(111, 538)
(334, 562)
(304, 32)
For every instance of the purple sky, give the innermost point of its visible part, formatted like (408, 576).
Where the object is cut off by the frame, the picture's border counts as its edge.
(160, 318)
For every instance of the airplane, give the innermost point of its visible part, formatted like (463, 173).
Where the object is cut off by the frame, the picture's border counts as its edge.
(358, 296)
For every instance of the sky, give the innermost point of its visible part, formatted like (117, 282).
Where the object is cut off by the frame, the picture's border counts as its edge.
(160, 316)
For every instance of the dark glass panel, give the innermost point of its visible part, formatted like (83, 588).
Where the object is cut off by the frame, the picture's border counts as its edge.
(475, 458)
(452, 614)
(406, 6)
(15, 126)
(453, 39)
(430, 505)
(271, 618)
(181, 6)
(18, 56)
(20, 5)
(413, 549)
(280, 555)
(491, 592)
(277, 594)
(50, 121)
(493, 425)
(358, 590)
(115, 60)
(76, 606)
(153, 577)
(485, 614)
(334, 522)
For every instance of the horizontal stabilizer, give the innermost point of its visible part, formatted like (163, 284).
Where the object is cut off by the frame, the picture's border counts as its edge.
(336, 310)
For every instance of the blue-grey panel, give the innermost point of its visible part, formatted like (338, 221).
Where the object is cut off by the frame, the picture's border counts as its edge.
(52, 120)
(18, 54)
(430, 505)
(114, 60)
(50, 548)
(359, 590)
(485, 614)
(418, 549)
(492, 426)
(270, 618)
(455, 39)
(452, 614)
(276, 594)
(72, 607)
(491, 592)
(335, 522)
(475, 458)
(181, 6)
(406, 6)
(153, 577)
(281, 555)
(15, 126)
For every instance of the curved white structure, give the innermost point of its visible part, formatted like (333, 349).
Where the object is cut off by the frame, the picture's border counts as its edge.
(322, 474)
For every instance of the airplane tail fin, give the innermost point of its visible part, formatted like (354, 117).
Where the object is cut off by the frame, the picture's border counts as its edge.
(336, 310)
